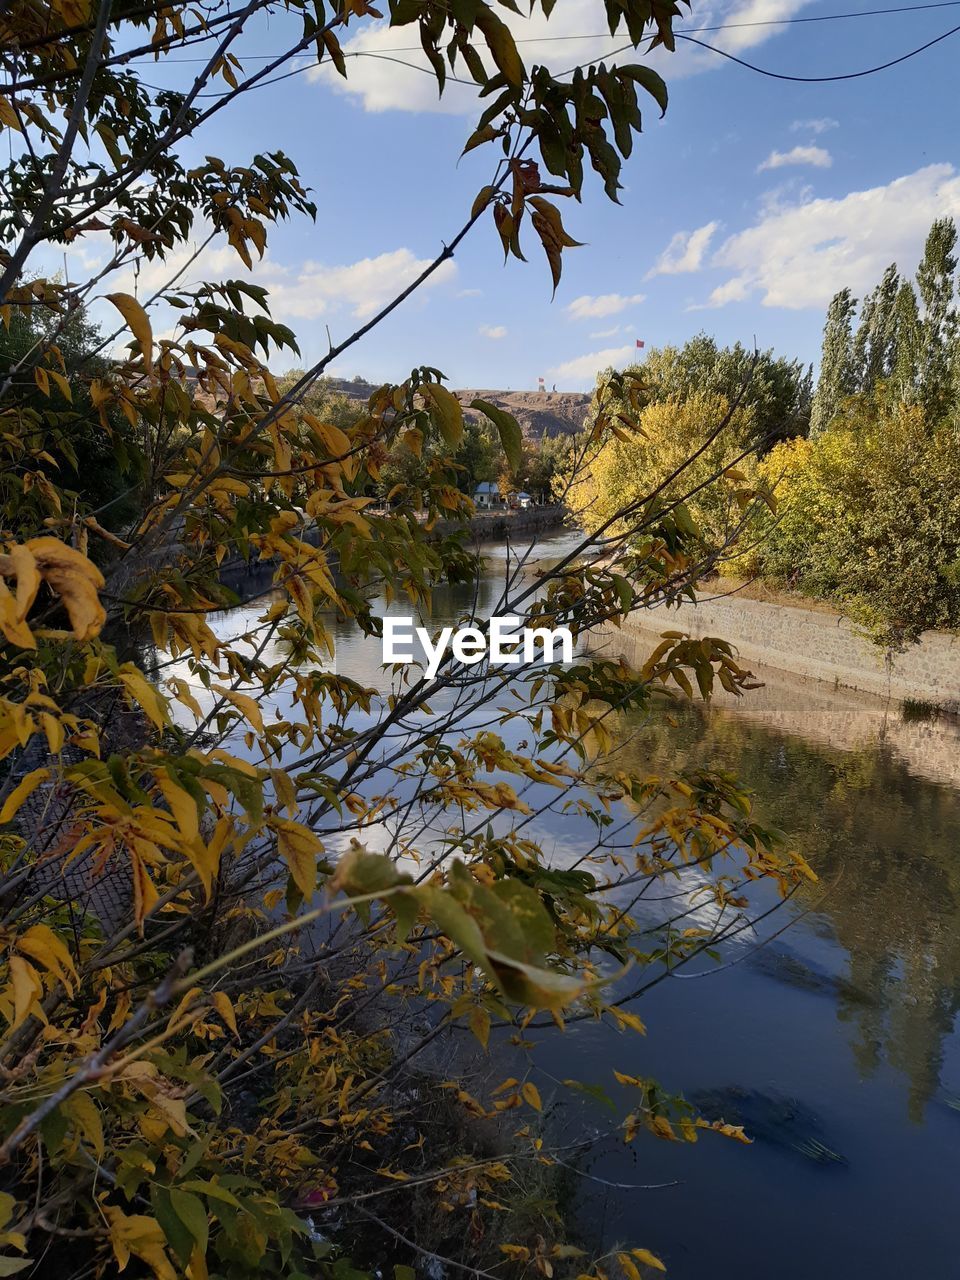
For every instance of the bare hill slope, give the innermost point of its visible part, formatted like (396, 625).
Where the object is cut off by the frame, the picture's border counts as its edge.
(556, 413)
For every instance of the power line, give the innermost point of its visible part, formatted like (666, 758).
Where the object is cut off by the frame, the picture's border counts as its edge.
(847, 75)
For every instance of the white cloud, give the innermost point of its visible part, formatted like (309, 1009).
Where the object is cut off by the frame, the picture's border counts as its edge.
(818, 126)
(798, 255)
(494, 331)
(585, 368)
(469, 293)
(303, 292)
(819, 157)
(559, 43)
(684, 252)
(606, 333)
(605, 304)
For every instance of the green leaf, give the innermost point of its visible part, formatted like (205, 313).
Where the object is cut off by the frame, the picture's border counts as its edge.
(511, 436)
(648, 79)
(445, 412)
(177, 1234)
(189, 1209)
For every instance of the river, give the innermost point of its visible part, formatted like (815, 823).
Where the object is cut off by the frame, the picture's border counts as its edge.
(835, 1044)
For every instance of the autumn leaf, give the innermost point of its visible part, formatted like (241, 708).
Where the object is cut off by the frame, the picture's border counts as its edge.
(138, 322)
(139, 690)
(224, 1006)
(299, 849)
(21, 792)
(40, 943)
(244, 704)
(531, 1095)
(140, 1236)
(75, 579)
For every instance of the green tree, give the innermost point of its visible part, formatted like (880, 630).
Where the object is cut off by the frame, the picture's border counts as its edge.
(776, 390)
(907, 344)
(869, 517)
(938, 328)
(875, 340)
(97, 458)
(837, 378)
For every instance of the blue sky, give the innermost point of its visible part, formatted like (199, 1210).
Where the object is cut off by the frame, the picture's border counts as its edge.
(744, 209)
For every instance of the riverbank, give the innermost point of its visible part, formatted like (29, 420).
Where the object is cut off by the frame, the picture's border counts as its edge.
(498, 526)
(815, 644)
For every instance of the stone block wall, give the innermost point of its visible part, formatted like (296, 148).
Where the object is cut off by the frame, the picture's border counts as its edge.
(807, 642)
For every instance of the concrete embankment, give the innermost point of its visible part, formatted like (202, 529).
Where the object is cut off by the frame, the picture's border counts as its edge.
(815, 644)
(497, 526)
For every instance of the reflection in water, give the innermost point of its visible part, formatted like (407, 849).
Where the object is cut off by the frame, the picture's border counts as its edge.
(834, 1043)
(884, 845)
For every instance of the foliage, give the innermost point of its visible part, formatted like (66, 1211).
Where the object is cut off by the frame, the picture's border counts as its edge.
(775, 391)
(869, 517)
(836, 380)
(232, 878)
(907, 341)
(84, 455)
(717, 489)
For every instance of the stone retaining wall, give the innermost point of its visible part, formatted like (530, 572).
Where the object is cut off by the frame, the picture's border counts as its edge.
(810, 643)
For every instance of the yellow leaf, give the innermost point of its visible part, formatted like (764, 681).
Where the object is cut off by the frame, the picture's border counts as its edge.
(299, 848)
(182, 805)
(145, 896)
(42, 944)
(244, 703)
(141, 1236)
(27, 988)
(53, 728)
(630, 1268)
(139, 323)
(224, 1006)
(13, 627)
(648, 1258)
(184, 696)
(28, 578)
(531, 1095)
(8, 116)
(24, 788)
(286, 791)
(84, 1112)
(138, 689)
(75, 579)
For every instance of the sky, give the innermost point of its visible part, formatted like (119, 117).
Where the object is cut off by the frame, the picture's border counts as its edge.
(743, 210)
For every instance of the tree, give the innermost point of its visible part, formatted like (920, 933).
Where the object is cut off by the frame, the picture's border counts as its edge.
(837, 372)
(869, 517)
(87, 457)
(308, 862)
(938, 327)
(876, 336)
(906, 346)
(776, 390)
(716, 490)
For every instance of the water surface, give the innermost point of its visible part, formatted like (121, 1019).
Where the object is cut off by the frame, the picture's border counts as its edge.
(835, 1043)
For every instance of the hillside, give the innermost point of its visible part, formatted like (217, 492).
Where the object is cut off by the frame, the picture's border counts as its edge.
(558, 413)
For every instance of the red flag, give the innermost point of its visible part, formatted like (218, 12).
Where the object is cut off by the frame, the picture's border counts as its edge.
(640, 344)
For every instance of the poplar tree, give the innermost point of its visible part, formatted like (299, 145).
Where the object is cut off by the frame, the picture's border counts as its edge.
(935, 281)
(836, 362)
(906, 343)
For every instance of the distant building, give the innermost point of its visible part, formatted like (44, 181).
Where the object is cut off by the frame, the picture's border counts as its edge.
(524, 500)
(487, 495)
